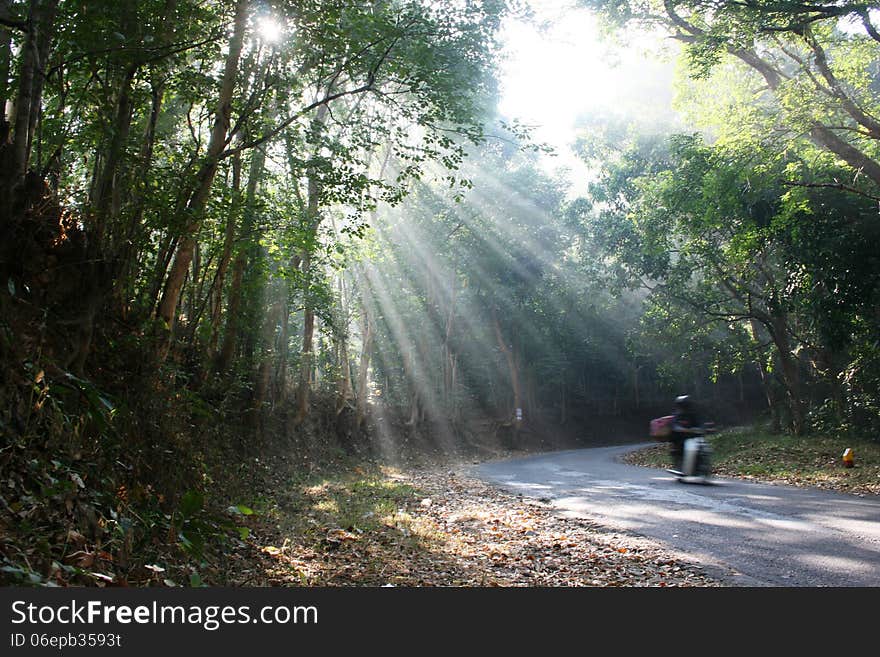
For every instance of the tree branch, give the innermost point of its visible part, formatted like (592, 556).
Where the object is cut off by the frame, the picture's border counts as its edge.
(861, 117)
(370, 85)
(869, 26)
(840, 186)
(16, 25)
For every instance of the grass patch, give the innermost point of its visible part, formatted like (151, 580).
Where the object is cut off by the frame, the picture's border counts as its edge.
(352, 524)
(353, 498)
(796, 460)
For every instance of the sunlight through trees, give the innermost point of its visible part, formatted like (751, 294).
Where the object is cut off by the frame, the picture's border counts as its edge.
(235, 222)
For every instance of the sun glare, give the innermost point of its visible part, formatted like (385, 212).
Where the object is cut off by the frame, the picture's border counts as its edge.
(561, 71)
(270, 29)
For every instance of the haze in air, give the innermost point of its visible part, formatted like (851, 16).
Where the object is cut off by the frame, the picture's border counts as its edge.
(364, 235)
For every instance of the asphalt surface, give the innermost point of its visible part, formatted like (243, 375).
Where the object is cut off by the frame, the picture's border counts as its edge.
(744, 533)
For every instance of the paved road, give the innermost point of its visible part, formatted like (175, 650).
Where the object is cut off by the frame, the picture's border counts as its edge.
(745, 533)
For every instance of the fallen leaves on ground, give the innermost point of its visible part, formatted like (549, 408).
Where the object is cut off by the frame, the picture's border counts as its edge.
(452, 530)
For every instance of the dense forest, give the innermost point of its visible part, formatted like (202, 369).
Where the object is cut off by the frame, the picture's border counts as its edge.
(231, 226)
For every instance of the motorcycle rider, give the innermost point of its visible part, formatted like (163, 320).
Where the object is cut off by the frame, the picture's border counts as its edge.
(686, 424)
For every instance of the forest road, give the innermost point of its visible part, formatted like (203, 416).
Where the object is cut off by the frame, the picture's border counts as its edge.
(742, 533)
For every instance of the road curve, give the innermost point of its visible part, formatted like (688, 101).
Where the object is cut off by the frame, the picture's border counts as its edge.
(744, 533)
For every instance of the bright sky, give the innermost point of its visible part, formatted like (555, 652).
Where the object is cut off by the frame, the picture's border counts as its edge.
(554, 76)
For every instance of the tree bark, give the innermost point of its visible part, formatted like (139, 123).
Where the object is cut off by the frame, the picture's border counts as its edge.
(827, 138)
(306, 355)
(507, 350)
(636, 391)
(790, 372)
(264, 370)
(449, 359)
(133, 237)
(762, 371)
(225, 258)
(344, 392)
(563, 408)
(34, 52)
(415, 397)
(5, 68)
(36, 46)
(245, 253)
(313, 215)
(366, 353)
(230, 338)
(284, 338)
(205, 178)
(104, 203)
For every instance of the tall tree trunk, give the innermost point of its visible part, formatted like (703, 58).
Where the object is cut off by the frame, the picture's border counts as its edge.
(192, 299)
(790, 372)
(829, 370)
(44, 47)
(508, 352)
(163, 258)
(344, 392)
(765, 375)
(313, 214)
(247, 251)
(133, 238)
(34, 52)
(531, 399)
(104, 201)
(204, 179)
(636, 391)
(563, 409)
(264, 369)
(364, 364)
(5, 69)
(230, 338)
(367, 328)
(283, 349)
(41, 23)
(777, 328)
(131, 241)
(344, 389)
(415, 397)
(448, 354)
(106, 205)
(306, 351)
(225, 258)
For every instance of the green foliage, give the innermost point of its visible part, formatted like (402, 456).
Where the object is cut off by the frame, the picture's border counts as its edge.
(352, 180)
(728, 238)
(355, 105)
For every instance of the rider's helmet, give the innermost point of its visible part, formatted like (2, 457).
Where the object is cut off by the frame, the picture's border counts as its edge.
(683, 402)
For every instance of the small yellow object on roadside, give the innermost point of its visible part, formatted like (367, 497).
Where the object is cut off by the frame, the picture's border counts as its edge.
(848, 458)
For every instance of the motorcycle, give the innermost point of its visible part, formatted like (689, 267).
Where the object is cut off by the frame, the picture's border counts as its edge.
(696, 463)
(697, 458)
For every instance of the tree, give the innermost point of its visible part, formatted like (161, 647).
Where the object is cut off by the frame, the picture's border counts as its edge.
(717, 237)
(818, 76)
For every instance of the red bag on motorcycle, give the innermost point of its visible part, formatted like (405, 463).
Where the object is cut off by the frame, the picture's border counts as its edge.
(661, 427)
